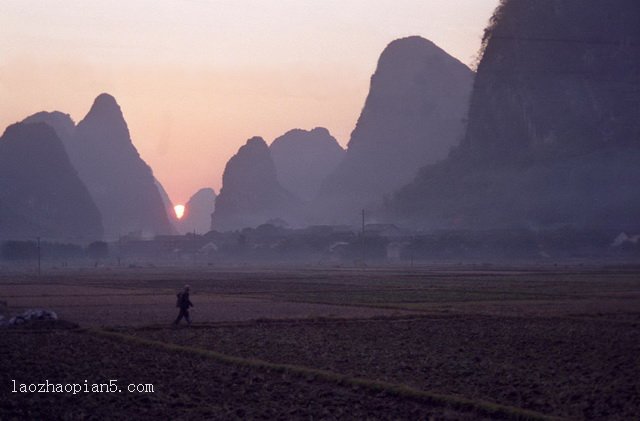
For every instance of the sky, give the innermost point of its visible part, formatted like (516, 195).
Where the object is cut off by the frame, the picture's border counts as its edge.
(196, 78)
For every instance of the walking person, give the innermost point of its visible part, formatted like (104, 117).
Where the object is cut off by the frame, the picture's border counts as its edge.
(183, 303)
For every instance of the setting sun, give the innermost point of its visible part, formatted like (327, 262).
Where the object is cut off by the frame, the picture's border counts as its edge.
(179, 210)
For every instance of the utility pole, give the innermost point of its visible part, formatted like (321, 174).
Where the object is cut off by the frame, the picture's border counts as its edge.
(119, 248)
(39, 257)
(411, 249)
(362, 244)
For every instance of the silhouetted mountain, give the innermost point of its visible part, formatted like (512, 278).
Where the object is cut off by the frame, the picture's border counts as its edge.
(413, 116)
(117, 144)
(554, 124)
(303, 160)
(251, 194)
(168, 204)
(41, 194)
(198, 211)
(120, 182)
(61, 123)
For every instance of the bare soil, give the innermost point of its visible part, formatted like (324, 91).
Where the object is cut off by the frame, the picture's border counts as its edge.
(577, 368)
(560, 341)
(185, 387)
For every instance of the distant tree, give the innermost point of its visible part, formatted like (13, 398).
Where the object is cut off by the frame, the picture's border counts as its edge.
(62, 251)
(98, 250)
(278, 222)
(19, 250)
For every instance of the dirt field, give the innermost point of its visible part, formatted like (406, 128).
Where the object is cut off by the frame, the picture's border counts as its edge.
(441, 343)
(571, 368)
(185, 387)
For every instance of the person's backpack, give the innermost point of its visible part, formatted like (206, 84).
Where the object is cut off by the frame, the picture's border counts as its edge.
(179, 300)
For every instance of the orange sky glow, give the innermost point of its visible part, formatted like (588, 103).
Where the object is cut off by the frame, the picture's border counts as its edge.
(196, 78)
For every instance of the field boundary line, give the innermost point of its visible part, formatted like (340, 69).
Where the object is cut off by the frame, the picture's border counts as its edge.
(485, 408)
(320, 320)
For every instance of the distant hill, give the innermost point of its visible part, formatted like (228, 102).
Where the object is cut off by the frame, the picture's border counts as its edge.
(304, 158)
(198, 211)
(414, 114)
(77, 151)
(553, 134)
(251, 194)
(168, 204)
(41, 194)
(121, 183)
(61, 123)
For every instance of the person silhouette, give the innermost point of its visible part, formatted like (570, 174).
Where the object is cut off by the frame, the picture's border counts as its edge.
(183, 303)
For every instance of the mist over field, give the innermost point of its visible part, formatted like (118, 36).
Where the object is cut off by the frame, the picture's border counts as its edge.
(468, 248)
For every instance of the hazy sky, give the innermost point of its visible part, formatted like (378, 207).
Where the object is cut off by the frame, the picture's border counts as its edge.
(196, 78)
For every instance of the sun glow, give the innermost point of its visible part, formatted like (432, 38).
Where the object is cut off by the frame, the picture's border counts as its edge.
(179, 210)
